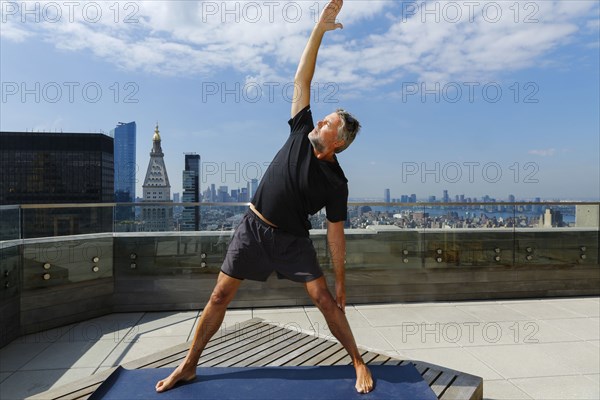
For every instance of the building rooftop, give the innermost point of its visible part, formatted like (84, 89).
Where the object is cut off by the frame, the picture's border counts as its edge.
(524, 349)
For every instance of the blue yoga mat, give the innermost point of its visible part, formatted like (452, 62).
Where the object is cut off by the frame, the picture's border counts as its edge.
(268, 383)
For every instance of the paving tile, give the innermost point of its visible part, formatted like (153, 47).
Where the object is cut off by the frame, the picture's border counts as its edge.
(445, 315)
(355, 318)
(593, 377)
(14, 355)
(574, 387)
(537, 360)
(582, 357)
(586, 308)
(79, 354)
(296, 320)
(502, 390)
(541, 310)
(130, 351)
(514, 332)
(231, 320)
(162, 327)
(112, 327)
(46, 336)
(388, 316)
(371, 340)
(416, 337)
(583, 328)
(493, 313)
(28, 383)
(454, 358)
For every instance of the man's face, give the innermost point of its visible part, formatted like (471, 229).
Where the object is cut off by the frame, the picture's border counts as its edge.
(324, 137)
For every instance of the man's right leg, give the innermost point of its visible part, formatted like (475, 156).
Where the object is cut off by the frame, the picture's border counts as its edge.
(210, 322)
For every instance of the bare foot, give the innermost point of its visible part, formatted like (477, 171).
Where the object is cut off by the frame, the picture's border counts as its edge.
(179, 375)
(364, 380)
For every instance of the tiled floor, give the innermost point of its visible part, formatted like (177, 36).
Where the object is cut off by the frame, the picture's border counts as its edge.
(524, 349)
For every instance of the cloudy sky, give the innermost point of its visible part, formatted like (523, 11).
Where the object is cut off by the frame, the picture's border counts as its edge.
(473, 97)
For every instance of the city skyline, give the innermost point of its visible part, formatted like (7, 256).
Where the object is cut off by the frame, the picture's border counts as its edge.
(499, 98)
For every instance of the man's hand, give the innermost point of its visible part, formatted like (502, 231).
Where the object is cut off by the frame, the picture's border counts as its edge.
(329, 14)
(340, 295)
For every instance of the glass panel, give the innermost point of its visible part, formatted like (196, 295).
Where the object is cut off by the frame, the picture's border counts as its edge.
(10, 270)
(10, 226)
(57, 261)
(66, 221)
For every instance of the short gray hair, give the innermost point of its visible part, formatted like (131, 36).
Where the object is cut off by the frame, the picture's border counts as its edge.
(347, 130)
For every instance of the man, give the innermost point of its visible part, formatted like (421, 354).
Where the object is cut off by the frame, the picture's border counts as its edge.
(303, 178)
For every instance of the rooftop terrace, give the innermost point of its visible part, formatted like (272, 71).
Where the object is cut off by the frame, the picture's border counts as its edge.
(515, 305)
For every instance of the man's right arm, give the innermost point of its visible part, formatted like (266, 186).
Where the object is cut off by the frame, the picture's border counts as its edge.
(308, 61)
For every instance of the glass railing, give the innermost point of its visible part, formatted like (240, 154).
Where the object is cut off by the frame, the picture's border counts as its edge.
(52, 220)
(64, 263)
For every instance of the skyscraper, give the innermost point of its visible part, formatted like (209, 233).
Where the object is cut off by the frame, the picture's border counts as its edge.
(43, 168)
(124, 136)
(253, 187)
(125, 164)
(157, 188)
(190, 220)
(386, 195)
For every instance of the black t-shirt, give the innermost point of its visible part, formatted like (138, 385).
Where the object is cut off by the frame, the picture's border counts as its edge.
(297, 184)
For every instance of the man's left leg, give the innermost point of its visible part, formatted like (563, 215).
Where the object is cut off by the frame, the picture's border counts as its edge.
(338, 325)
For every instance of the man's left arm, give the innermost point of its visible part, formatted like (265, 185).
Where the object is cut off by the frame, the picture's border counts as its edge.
(336, 241)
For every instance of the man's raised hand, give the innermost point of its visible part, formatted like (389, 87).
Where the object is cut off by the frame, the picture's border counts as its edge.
(329, 14)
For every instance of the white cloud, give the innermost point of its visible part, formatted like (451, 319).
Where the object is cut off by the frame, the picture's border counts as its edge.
(542, 152)
(192, 37)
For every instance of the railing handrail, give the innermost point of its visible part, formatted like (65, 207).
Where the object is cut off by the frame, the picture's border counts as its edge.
(350, 204)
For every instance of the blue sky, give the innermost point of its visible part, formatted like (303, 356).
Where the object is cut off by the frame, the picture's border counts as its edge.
(486, 97)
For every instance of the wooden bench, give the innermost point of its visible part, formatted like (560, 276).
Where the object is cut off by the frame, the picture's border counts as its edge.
(257, 343)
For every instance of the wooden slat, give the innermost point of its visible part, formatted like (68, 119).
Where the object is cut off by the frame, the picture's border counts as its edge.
(180, 350)
(393, 361)
(230, 348)
(369, 356)
(442, 382)
(259, 346)
(379, 360)
(307, 357)
(297, 348)
(462, 388)
(431, 375)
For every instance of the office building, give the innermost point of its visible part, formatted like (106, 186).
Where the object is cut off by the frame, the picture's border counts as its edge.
(124, 135)
(55, 168)
(190, 220)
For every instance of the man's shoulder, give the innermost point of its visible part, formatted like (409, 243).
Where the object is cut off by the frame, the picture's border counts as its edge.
(301, 121)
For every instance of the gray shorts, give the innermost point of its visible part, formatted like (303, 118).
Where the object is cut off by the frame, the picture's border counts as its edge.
(257, 249)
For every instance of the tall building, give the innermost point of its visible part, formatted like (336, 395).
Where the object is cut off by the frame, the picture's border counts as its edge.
(223, 194)
(386, 196)
(157, 188)
(190, 220)
(125, 164)
(124, 135)
(51, 168)
(253, 186)
(445, 197)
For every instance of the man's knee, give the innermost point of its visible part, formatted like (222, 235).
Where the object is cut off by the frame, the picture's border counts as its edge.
(323, 300)
(221, 297)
